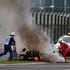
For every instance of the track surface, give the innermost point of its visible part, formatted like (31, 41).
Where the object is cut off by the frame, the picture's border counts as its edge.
(42, 66)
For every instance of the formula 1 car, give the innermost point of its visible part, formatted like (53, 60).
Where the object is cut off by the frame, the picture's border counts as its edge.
(29, 55)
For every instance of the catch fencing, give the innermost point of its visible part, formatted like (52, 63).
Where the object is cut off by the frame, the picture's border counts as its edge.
(55, 24)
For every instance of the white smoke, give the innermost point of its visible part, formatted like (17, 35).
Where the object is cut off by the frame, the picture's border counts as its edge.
(15, 15)
(8, 19)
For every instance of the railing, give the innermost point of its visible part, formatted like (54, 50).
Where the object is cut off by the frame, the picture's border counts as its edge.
(54, 24)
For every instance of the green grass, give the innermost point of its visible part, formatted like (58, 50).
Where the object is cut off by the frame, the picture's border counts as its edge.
(14, 62)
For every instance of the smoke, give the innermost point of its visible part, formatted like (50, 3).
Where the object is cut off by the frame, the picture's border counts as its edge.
(15, 16)
(8, 20)
(33, 38)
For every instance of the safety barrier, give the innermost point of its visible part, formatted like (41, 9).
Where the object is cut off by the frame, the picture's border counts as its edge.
(54, 24)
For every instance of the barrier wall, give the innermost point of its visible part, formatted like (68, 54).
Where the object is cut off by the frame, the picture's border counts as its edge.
(54, 24)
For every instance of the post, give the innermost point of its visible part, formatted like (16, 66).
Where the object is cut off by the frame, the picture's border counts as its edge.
(65, 2)
(40, 3)
(52, 6)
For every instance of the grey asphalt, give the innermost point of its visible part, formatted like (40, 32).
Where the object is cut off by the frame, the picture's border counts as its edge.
(44, 66)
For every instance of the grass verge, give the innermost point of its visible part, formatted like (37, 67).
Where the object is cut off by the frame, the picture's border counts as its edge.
(14, 62)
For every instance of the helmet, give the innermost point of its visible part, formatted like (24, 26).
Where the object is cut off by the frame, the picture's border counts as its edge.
(13, 34)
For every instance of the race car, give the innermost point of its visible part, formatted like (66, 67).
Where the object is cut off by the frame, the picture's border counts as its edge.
(63, 46)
